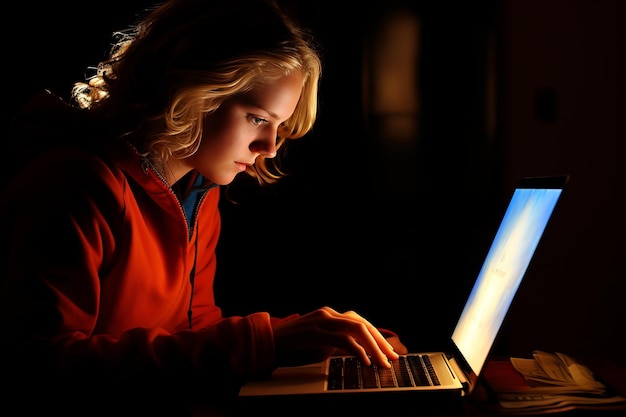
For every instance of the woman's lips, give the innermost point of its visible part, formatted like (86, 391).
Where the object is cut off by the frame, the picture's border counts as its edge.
(241, 166)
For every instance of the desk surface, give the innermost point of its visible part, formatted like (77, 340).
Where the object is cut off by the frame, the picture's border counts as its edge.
(479, 404)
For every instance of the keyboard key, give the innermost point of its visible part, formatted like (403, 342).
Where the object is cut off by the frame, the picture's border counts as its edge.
(401, 372)
(335, 374)
(431, 370)
(417, 369)
(352, 373)
(368, 374)
(386, 377)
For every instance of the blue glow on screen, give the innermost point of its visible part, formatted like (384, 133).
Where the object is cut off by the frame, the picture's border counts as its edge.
(505, 265)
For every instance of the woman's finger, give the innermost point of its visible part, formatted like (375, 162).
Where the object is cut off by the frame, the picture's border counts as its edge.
(361, 337)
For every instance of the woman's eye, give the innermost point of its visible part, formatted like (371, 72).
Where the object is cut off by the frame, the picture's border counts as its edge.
(257, 120)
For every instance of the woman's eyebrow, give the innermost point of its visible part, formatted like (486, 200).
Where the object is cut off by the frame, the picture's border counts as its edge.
(252, 103)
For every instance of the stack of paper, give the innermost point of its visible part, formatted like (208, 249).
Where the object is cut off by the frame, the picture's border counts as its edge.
(552, 381)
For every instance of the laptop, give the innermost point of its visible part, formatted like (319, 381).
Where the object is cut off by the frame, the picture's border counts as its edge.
(447, 374)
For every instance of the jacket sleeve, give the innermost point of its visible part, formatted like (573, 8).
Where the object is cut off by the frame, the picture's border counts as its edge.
(49, 311)
(247, 342)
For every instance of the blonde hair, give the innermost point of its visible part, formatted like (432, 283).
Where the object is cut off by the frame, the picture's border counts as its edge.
(184, 59)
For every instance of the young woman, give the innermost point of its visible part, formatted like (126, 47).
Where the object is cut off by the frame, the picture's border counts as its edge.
(110, 230)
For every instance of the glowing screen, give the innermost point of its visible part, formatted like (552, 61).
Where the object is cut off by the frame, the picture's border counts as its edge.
(507, 260)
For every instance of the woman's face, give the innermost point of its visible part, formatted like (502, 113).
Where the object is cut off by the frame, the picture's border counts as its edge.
(243, 128)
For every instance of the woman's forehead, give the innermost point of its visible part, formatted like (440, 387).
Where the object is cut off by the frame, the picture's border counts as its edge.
(277, 97)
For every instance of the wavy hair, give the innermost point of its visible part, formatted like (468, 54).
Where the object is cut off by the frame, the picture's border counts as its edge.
(187, 57)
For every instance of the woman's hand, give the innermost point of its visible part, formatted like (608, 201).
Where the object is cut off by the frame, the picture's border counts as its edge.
(315, 336)
(397, 345)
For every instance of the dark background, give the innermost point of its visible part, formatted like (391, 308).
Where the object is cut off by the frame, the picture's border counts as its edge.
(392, 227)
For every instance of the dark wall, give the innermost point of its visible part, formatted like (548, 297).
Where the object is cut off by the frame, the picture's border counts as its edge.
(343, 231)
(50, 45)
(566, 113)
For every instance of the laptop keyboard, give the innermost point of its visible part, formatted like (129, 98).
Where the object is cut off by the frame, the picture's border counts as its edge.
(408, 371)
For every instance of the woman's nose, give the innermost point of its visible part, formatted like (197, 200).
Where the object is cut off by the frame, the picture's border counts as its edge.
(265, 146)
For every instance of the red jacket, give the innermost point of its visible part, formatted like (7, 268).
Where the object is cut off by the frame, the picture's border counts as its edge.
(96, 279)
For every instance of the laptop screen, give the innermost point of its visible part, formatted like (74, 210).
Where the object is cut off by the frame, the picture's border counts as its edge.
(523, 224)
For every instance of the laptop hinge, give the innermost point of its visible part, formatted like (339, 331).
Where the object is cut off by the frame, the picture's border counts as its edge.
(461, 374)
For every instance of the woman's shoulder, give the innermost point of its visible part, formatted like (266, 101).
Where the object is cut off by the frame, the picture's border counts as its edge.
(46, 112)
(46, 122)
(64, 167)
(48, 132)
